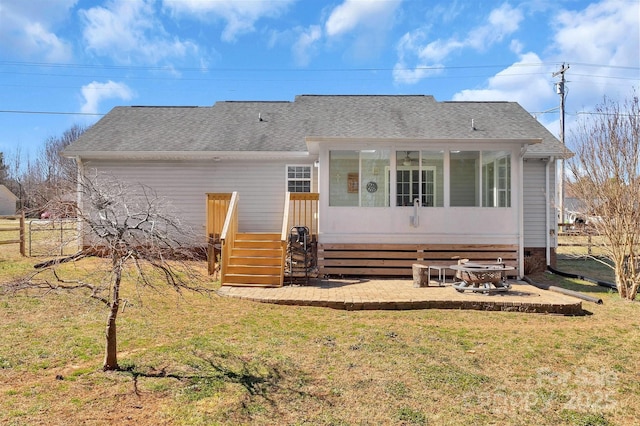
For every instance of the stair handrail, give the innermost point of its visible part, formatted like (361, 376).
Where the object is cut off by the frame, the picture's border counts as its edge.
(285, 217)
(228, 235)
(284, 235)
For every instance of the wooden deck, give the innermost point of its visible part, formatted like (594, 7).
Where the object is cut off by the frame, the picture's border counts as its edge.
(250, 259)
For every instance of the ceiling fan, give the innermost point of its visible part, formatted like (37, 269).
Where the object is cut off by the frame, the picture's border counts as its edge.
(408, 161)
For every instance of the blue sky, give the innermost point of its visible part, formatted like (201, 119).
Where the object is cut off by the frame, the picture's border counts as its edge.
(63, 62)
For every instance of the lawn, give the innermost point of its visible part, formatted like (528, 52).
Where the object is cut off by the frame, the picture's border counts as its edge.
(203, 360)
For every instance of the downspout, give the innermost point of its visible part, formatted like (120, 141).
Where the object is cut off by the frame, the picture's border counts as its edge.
(547, 209)
(523, 150)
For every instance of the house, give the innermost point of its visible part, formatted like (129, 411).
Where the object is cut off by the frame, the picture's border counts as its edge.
(8, 202)
(399, 179)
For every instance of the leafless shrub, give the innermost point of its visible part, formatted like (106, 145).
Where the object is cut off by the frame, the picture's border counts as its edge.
(606, 177)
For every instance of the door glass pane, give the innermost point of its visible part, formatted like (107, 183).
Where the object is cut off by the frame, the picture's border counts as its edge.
(419, 175)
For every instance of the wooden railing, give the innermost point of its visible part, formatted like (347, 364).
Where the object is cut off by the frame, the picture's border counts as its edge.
(217, 207)
(303, 211)
(300, 209)
(228, 235)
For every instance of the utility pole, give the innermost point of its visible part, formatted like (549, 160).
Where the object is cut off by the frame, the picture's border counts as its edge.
(560, 90)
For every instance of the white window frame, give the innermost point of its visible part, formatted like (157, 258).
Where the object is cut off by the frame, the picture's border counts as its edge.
(299, 179)
(423, 172)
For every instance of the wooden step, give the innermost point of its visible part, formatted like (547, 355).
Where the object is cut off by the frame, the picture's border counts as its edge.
(249, 269)
(256, 260)
(256, 252)
(252, 280)
(259, 244)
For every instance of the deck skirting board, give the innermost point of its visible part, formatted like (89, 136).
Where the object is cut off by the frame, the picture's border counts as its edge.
(397, 259)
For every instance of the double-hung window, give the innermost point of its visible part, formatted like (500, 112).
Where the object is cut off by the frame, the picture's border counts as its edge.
(299, 178)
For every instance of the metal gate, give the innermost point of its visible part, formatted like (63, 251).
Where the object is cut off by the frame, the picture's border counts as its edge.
(58, 237)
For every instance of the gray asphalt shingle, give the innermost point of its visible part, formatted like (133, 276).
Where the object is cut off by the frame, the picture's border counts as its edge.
(283, 126)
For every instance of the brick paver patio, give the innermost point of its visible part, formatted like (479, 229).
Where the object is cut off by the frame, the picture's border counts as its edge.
(356, 294)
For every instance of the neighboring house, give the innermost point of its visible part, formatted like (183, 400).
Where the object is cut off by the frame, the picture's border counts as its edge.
(8, 202)
(395, 174)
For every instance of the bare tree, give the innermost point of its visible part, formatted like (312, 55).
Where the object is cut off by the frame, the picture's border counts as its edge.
(45, 178)
(606, 179)
(137, 232)
(4, 173)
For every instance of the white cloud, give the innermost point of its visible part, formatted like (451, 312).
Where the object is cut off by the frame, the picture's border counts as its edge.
(27, 29)
(408, 48)
(601, 44)
(304, 46)
(502, 22)
(94, 93)
(413, 47)
(366, 23)
(240, 15)
(356, 13)
(527, 82)
(604, 33)
(129, 32)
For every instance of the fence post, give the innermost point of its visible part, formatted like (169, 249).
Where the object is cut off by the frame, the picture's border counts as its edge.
(22, 234)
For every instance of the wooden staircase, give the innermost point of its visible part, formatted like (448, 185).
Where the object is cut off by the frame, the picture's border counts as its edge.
(256, 259)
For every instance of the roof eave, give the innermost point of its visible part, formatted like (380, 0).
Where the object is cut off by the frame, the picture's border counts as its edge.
(185, 155)
(313, 143)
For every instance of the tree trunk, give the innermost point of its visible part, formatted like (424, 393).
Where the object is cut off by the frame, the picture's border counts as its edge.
(111, 349)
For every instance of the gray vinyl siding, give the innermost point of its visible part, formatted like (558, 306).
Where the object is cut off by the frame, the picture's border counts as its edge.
(464, 182)
(535, 223)
(7, 206)
(261, 186)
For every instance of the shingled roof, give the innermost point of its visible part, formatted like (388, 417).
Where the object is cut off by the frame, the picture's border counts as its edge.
(283, 126)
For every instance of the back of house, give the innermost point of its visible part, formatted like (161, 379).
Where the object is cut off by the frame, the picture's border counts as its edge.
(399, 179)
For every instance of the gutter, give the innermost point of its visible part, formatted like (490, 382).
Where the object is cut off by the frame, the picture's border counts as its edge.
(523, 151)
(547, 210)
(187, 155)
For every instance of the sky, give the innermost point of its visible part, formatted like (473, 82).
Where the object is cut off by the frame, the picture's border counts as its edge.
(68, 62)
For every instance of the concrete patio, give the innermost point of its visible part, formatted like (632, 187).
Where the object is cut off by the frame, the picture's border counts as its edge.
(360, 294)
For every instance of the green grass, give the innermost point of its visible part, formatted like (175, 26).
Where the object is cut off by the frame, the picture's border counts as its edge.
(203, 360)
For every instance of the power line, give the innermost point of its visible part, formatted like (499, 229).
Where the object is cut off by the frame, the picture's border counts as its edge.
(207, 69)
(13, 111)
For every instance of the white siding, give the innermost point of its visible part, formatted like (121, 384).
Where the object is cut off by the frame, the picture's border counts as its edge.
(260, 184)
(535, 224)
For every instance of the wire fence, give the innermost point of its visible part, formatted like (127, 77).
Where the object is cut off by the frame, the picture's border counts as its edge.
(58, 237)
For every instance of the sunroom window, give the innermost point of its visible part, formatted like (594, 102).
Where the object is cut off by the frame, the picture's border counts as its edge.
(464, 178)
(480, 178)
(357, 178)
(496, 179)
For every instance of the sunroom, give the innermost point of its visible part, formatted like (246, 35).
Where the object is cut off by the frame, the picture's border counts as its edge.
(386, 204)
